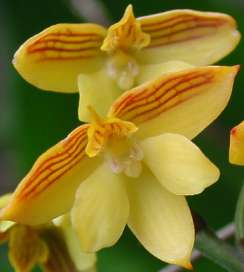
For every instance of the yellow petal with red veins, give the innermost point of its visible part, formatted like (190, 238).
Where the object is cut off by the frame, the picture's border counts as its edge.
(200, 38)
(236, 152)
(160, 220)
(26, 249)
(126, 34)
(48, 190)
(101, 210)
(83, 261)
(53, 59)
(178, 164)
(183, 102)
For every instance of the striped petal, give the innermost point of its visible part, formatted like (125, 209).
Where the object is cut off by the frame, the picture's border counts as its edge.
(236, 152)
(48, 189)
(183, 102)
(101, 210)
(160, 220)
(53, 59)
(178, 164)
(200, 38)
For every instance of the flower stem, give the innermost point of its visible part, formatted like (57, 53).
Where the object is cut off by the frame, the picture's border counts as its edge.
(219, 251)
(239, 220)
(224, 233)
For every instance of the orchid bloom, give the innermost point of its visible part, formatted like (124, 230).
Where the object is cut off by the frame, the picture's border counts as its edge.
(236, 152)
(53, 247)
(133, 167)
(101, 63)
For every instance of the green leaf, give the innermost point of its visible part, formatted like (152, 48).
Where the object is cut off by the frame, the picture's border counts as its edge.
(239, 219)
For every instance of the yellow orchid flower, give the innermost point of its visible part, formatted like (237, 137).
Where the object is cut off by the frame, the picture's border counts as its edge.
(48, 246)
(132, 167)
(236, 152)
(101, 62)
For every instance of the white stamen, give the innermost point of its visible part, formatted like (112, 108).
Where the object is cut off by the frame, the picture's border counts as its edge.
(133, 169)
(115, 165)
(126, 80)
(136, 153)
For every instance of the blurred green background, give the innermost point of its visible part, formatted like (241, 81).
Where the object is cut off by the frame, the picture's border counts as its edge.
(32, 120)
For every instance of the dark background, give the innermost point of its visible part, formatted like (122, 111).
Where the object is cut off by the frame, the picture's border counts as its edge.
(32, 120)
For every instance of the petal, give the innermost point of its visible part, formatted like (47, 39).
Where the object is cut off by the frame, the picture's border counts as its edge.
(101, 210)
(59, 258)
(149, 72)
(196, 37)
(53, 59)
(97, 90)
(83, 261)
(57, 173)
(126, 34)
(178, 164)
(4, 200)
(161, 221)
(3, 237)
(26, 249)
(183, 102)
(236, 152)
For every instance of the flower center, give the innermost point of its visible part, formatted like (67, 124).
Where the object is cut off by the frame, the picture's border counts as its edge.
(123, 38)
(122, 68)
(113, 138)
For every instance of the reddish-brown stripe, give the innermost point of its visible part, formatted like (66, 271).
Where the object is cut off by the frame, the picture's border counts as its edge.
(167, 100)
(41, 186)
(172, 21)
(144, 94)
(60, 49)
(35, 192)
(184, 20)
(72, 142)
(49, 173)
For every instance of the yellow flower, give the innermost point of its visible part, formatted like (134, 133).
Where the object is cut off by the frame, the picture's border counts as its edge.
(101, 62)
(52, 246)
(132, 167)
(236, 152)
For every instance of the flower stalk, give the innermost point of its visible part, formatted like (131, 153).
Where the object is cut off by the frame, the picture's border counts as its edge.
(219, 251)
(239, 220)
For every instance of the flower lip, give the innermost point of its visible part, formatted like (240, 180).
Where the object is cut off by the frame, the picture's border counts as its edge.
(126, 34)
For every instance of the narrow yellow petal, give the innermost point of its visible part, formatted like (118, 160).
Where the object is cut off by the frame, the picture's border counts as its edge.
(48, 190)
(236, 152)
(26, 248)
(178, 164)
(183, 102)
(160, 220)
(53, 59)
(101, 210)
(83, 261)
(200, 38)
(97, 90)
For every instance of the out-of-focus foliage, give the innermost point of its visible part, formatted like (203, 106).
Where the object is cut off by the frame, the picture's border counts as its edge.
(32, 120)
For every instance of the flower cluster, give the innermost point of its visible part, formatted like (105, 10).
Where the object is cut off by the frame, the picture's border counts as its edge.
(145, 91)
